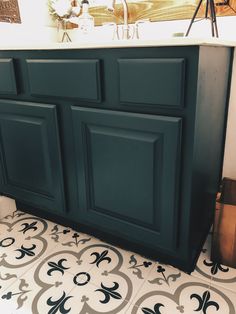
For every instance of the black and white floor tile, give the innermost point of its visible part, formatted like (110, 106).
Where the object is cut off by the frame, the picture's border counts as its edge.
(46, 268)
(219, 275)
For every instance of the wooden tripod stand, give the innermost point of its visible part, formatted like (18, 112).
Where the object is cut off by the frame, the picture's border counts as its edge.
(210, 6)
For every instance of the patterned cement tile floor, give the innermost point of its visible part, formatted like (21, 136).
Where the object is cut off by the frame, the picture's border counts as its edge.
(46, 268)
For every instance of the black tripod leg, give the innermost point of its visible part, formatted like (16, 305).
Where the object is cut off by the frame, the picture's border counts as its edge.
(213, 15)
(212, 18)
(207, 7)
(193, 18)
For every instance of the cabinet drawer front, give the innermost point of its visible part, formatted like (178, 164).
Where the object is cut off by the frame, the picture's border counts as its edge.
(65, 78)
(152, 81)
(7, 77)
(30, 154)
(127, 170)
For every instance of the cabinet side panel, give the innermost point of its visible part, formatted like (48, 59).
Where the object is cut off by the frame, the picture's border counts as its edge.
(211, 111)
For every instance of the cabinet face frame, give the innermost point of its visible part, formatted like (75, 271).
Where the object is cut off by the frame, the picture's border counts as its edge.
(103, 147)
(30, 131)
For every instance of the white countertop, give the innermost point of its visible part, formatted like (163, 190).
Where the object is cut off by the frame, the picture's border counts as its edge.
(177, 41)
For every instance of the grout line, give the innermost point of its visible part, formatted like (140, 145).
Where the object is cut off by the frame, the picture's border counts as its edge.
(215, 285)
(119, 248)
(205, 300)
(85, 270)
(212, 281)
(202, 277)
(131, 306)
(142, 285)
(36, 262)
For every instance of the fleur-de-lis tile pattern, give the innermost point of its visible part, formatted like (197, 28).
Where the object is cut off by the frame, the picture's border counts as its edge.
(156, 309)
(204, 302)
(213, 272)
(49, 268)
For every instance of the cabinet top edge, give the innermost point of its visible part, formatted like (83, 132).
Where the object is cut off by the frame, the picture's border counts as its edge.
(173, 42)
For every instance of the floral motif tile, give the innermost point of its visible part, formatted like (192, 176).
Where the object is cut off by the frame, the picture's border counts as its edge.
(176, 293)
(68, 238)
(22, 244)
(25, 236)
(43, 289)
(49, 268)
(165, 277)
(49, 288)
(7, 278)
(74, 260)
(12, 268)
(119, 271)
(87, 298)
(210, 271)
(190, 297)
(226, 299)
(11, 216)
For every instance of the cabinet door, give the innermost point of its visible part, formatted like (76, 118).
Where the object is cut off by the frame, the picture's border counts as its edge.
(128, 172)
(30, 154)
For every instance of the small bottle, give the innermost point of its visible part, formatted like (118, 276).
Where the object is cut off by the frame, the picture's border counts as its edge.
(85, 20)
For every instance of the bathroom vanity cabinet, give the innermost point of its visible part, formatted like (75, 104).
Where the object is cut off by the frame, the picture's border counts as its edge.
(124, 143)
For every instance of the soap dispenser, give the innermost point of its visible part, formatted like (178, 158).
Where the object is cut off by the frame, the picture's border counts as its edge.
(85, 20)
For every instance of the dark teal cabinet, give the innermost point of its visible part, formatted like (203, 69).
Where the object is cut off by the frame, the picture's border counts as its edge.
(50, 78)
(30, 154)
(152, 81)
(126, 144)
(128, 169)
(7, 78)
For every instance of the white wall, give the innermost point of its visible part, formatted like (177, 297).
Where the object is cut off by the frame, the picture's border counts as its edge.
(33, 12)
(35, 24)
(230, 145)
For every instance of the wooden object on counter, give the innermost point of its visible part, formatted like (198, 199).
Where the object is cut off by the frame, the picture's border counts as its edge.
(9, 11)
(224, 233)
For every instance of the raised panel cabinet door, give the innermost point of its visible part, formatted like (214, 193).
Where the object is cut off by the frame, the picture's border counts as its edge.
(128, 171)
(7, 77)
(30, 154)
(152, 81)
(49, 77)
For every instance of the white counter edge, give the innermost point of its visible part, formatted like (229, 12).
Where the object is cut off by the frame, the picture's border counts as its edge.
(183, 41)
